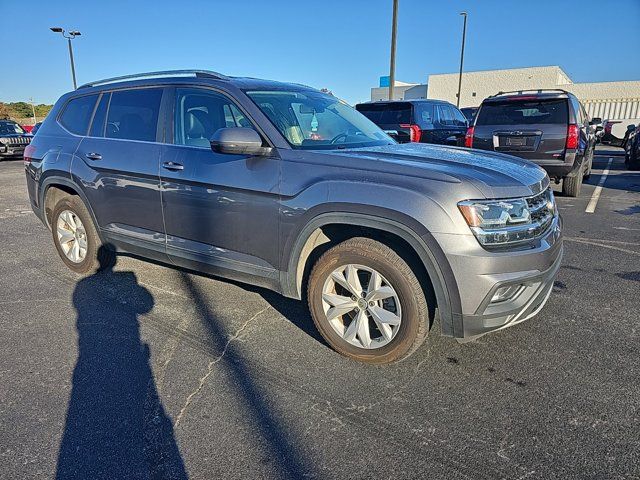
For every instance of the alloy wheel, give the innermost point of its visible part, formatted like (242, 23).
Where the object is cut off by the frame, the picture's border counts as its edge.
(72, 236)
(361, 306)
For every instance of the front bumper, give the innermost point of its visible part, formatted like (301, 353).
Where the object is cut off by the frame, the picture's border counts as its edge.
(535, 292)
(11, 151)
(480, 273)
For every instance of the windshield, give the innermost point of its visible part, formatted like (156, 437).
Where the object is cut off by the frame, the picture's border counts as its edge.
(313, 120)
(10, 128)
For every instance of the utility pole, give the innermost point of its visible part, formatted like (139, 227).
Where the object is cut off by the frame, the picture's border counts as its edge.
(464, 34)
(33, 109)
(392, 67)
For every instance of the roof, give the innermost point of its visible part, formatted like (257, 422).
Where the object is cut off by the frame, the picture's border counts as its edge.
(409, 100)
(192, 76)
(534, 93)
(556, 68)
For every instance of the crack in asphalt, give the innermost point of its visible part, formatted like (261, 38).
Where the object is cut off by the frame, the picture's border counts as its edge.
(212, 363)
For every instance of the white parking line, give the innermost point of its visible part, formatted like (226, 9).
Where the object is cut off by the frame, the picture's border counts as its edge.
(596, 193)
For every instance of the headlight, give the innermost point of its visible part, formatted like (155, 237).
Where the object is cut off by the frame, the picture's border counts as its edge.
(505, 222)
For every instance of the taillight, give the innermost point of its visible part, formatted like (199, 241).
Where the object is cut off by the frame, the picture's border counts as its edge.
(573, 135)
(29, 150)
(414, 132)
(468, 138)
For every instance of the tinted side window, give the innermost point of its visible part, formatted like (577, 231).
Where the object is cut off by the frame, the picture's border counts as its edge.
(133, 114)
(77, 114)
(425, 114)
(445, 115)
(97, 125)
(458, 118)
(199, 113)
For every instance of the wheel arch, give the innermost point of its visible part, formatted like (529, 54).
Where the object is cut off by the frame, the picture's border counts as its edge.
(312, 237)
(65, 186)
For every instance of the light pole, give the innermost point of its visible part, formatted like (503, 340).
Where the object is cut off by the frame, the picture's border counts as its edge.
(464, 34)
(69, 36)
(392, 66)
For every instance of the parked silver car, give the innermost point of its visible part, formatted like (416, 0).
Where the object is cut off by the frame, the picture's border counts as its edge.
(285, 187)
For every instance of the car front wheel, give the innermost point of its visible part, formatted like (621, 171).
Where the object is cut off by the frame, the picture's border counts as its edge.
(367, 302)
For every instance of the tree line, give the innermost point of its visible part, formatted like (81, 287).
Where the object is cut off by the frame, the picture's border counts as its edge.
(22, 111)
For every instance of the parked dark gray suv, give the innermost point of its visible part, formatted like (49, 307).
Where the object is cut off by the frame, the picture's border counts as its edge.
(282, 186)
(548, 127)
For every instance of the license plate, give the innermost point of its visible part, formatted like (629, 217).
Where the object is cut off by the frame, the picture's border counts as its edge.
(516, 141)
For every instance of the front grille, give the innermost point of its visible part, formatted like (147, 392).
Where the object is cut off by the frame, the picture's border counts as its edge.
(16, 141)
(542, 208)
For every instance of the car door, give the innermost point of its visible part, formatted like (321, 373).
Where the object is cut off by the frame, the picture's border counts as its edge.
(459, 127)
(451, 126)
(220, 210)
(117, 164)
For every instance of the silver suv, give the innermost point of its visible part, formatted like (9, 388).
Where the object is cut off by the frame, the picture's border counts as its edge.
(285, 187)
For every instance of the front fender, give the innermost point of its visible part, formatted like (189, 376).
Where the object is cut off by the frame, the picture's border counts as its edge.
(416, 235)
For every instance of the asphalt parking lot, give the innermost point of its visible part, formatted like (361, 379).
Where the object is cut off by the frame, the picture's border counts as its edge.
(152, 372)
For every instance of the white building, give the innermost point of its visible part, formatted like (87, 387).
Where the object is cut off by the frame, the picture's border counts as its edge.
(607, 100)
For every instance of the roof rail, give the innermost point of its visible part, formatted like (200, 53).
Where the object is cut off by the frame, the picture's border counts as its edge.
(534, 90)
(166, 73)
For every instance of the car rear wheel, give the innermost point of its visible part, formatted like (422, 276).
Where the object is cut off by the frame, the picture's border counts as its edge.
(76, 238)
(634, 159)
(587, 172)
(367, 302)
(571, 185)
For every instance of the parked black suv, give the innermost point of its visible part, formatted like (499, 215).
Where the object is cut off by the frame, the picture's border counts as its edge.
(282, 186)
(423, 121)
(547, 127)
(13, 139)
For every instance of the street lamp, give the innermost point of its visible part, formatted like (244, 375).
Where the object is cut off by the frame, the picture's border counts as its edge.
(464, 34)
(69, 36)
(392, 66)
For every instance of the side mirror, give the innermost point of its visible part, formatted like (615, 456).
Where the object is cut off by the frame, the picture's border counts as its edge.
(596, 120)
(238, 141)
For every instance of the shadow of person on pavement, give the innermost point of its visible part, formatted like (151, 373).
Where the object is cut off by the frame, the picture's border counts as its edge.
(116, 426)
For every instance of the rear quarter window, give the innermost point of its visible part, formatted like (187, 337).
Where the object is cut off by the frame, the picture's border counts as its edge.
(524, 113)
(77, 113)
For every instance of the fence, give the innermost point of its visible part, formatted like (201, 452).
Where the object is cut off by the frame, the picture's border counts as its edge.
(619, 109)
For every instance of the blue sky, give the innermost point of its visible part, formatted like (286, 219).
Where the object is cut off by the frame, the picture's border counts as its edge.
(342, 45)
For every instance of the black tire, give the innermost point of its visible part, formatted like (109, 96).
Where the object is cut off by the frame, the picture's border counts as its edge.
(369, 253)
(98, 256)
(571, 185)
(634, 159)
(587, 172)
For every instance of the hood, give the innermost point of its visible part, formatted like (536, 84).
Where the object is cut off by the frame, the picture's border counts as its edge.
(495, 175)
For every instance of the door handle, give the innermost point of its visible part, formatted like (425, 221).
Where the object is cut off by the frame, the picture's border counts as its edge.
(93, 156)
(173, 166)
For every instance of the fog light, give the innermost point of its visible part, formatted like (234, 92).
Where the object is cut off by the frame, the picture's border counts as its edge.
(505, 293)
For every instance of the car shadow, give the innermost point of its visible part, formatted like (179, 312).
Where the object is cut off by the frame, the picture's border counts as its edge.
(116, 426)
